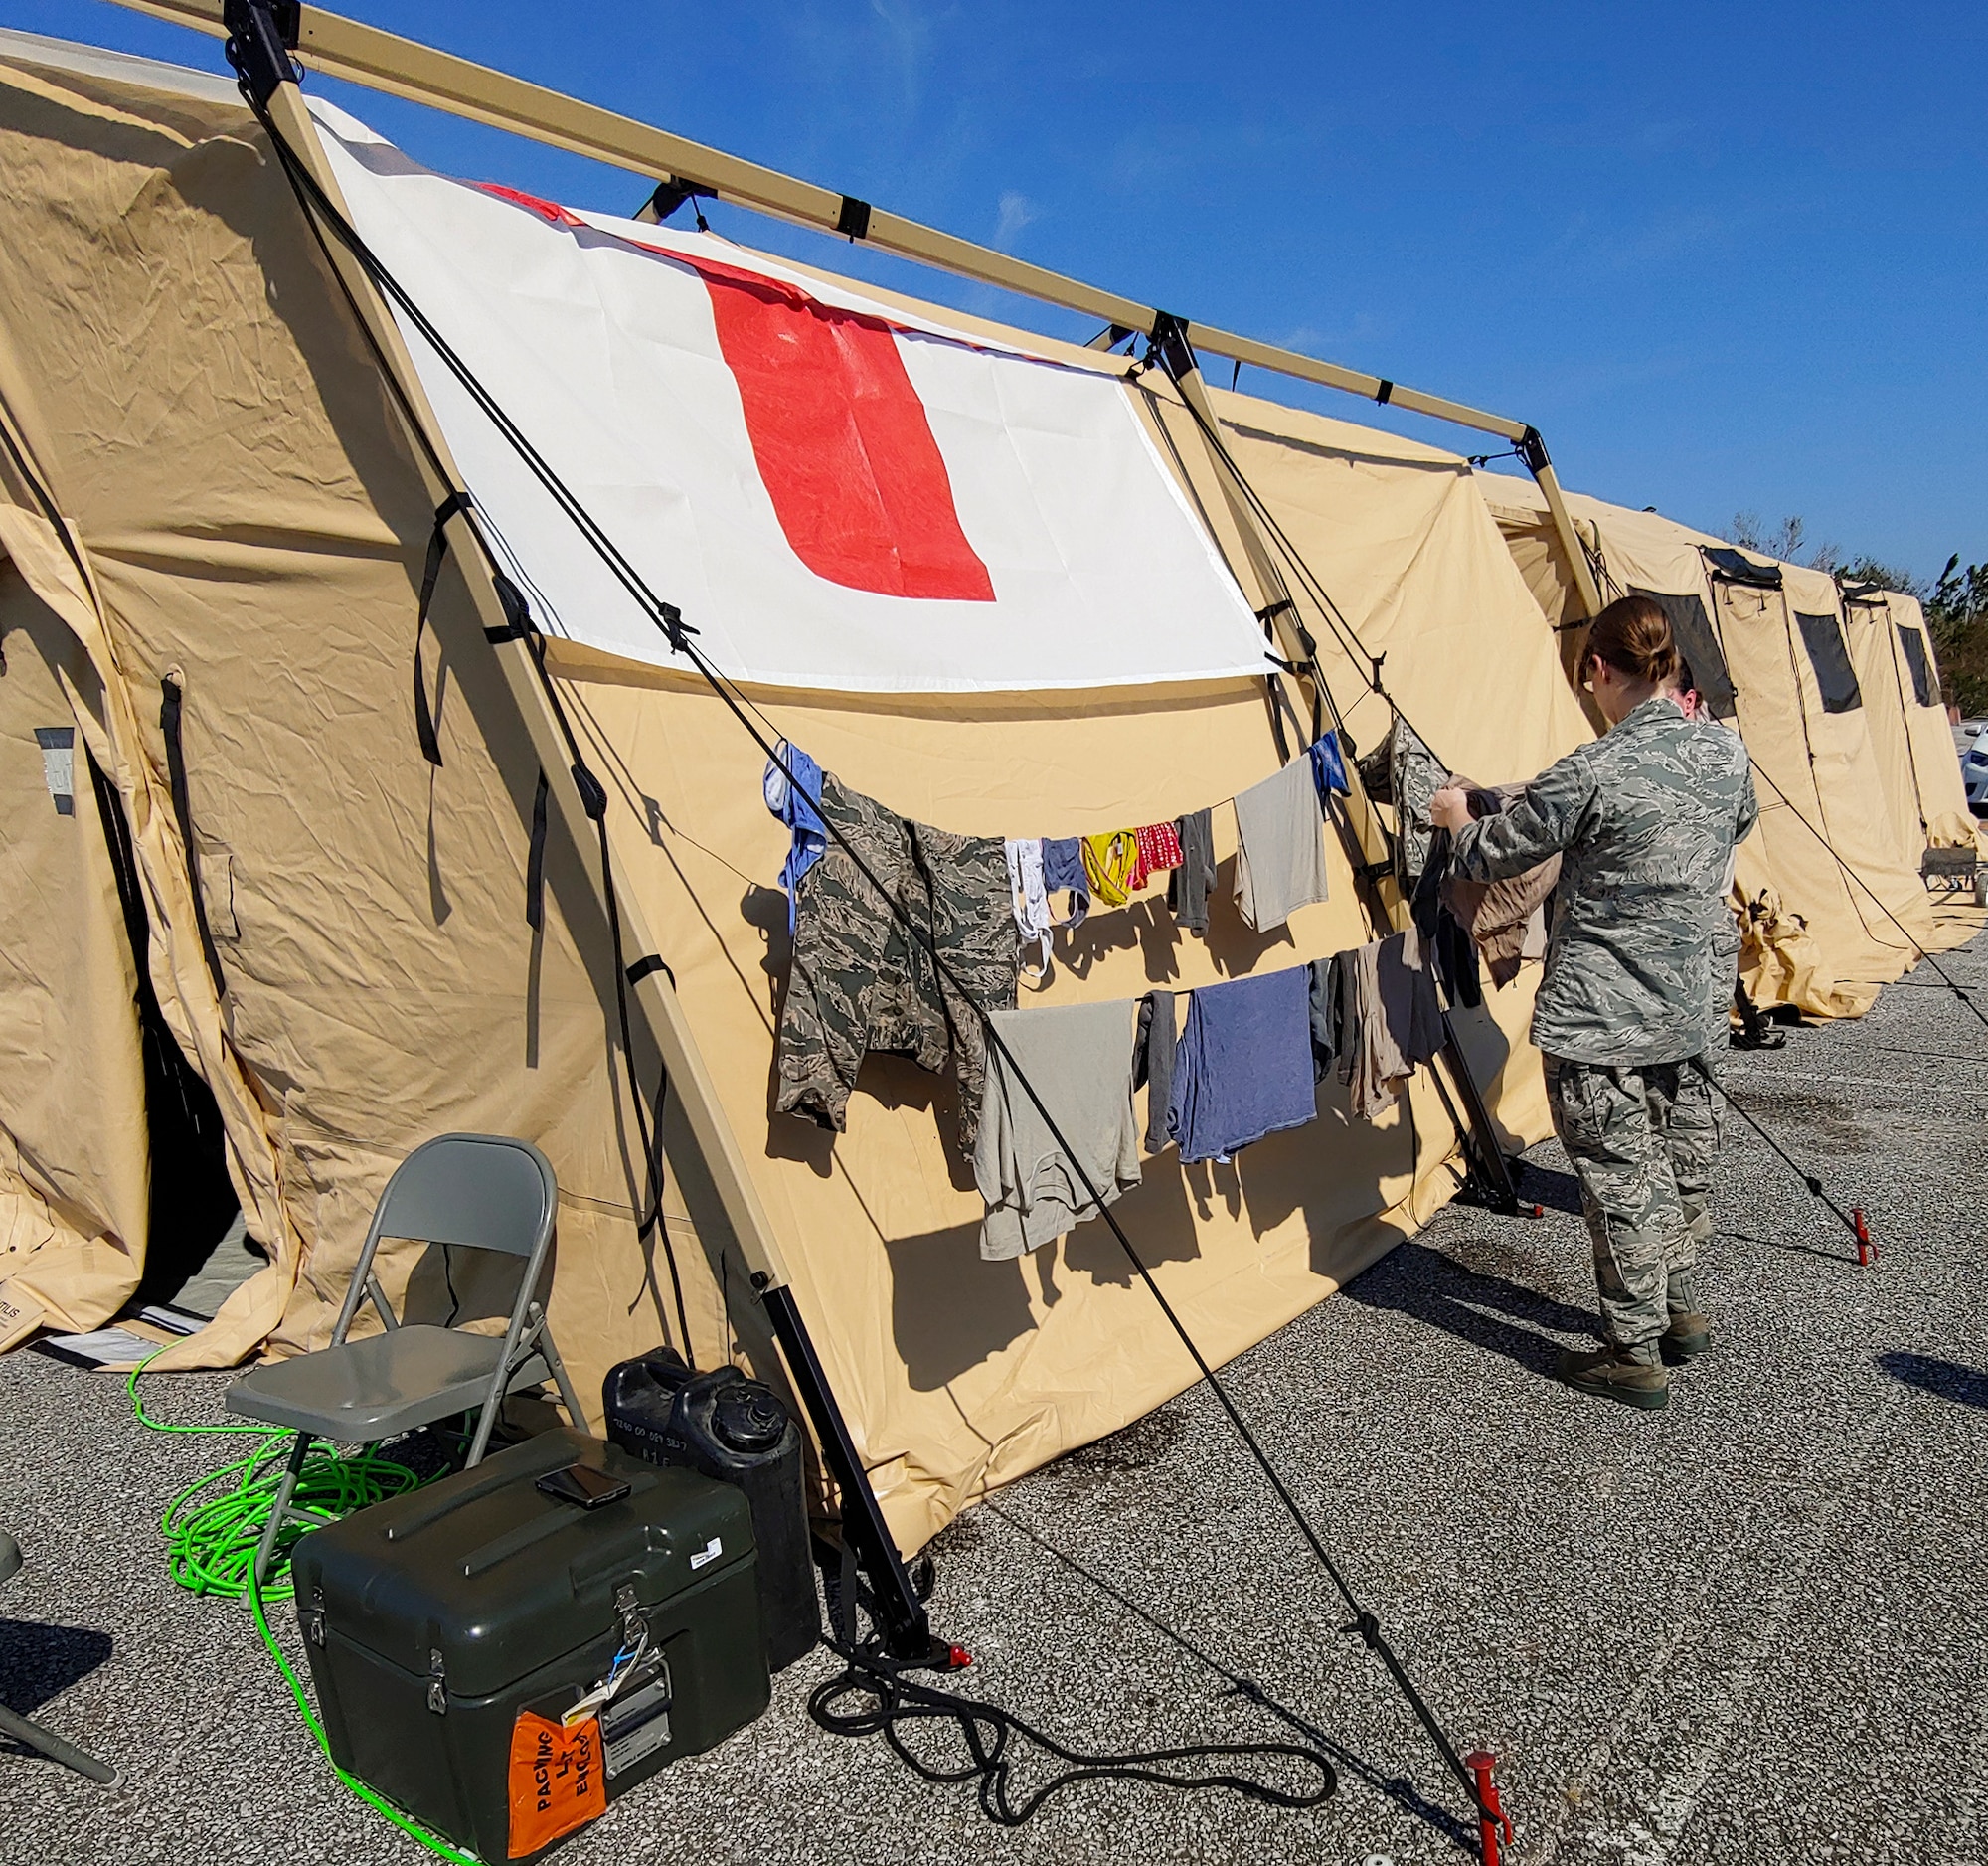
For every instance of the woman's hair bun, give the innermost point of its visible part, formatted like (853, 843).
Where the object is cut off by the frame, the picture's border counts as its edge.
(1634, 635)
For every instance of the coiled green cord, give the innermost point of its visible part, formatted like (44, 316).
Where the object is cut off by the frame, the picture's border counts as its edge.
(210, 1549)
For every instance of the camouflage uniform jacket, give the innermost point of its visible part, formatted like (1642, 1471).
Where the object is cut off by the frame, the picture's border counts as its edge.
(859, 981)
(1644, 820)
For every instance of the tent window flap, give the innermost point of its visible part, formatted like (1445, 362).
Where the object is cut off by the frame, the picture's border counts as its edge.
(1822, 636)
(1913, 644)
(1731, 567)
(1700, 647)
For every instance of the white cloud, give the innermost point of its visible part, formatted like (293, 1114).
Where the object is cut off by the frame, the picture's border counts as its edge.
(1017, 212)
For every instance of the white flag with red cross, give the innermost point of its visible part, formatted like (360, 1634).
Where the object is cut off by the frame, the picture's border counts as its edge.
(835, 493)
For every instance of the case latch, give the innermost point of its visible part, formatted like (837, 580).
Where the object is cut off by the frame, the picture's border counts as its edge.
(438, 1684)
(313, 1617)
(634, 1623)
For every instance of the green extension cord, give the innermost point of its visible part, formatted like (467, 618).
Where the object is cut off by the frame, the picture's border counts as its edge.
(210, 1549)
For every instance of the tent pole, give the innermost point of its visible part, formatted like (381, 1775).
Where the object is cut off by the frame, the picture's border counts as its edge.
(1533, 451)
(901, 1613)
(1272, 595)
(1185, 371)
(404, 68)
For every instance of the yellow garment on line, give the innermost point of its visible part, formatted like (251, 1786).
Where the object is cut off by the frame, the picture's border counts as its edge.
(1110, 863)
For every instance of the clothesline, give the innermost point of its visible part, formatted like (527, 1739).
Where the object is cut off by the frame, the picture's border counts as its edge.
(1281, 860)
(1245, 1064)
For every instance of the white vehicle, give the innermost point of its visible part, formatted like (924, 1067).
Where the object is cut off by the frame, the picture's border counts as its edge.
(1974, 774)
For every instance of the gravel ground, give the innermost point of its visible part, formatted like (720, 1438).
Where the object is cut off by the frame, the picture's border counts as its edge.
(1753, 1628)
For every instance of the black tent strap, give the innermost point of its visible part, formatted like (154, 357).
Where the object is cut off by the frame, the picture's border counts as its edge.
(424, 723)
(172, 702)
(534, 860)
(647, 967)
(669, 622)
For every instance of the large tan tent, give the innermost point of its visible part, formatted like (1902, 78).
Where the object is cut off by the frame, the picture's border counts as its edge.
(215, 535)
(1810, 688)
(1897, 673)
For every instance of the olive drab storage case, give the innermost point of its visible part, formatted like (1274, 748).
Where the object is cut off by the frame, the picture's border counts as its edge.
(450, 1628)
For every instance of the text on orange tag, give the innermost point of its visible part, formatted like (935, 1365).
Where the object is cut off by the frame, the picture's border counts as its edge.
(556, 1779)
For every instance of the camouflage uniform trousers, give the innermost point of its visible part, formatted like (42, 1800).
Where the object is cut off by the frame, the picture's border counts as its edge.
(1642, 1139)
(859, 981)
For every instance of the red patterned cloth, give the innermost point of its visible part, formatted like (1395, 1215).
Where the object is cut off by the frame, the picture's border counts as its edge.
(1159, 849)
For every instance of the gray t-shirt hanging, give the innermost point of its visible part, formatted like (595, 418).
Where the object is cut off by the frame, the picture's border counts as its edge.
(1079, 1057)
(1280, 854)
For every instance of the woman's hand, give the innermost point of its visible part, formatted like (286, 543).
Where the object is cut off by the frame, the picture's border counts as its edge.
(1450, 809)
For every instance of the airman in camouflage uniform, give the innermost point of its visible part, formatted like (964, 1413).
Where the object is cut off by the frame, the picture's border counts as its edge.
(861, 982)
(1638, 975)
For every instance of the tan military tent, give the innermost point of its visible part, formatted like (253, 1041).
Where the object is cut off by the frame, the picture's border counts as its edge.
(213, 539)
(1838, 907)
(1897, 673)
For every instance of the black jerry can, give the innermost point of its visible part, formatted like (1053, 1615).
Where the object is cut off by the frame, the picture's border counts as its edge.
(733, 1429)
(434, 1621)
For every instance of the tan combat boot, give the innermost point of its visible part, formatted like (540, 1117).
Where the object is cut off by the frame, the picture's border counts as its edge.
(1688, 1336)
(1618, 1374)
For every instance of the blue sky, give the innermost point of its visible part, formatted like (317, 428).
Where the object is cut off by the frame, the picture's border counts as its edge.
(1724, 257)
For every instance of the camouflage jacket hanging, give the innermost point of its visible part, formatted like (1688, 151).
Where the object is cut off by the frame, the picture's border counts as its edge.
(861, 981)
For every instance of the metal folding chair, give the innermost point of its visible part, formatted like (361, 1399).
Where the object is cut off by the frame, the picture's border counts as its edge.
(23, 1729)
(481, 1192)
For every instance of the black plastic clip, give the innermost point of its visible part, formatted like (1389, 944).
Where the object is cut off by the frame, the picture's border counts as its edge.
(853, 221)
(671, 620)
(518, 623)
(260, 38)
(672, 192)
(1169, 343)
(1532, 452)
(592, 796)
(1386, 393)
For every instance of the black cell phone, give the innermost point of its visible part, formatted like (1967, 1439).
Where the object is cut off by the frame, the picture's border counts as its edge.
(584, 1485)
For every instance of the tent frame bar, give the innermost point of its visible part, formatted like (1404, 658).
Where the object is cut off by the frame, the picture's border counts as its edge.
(404, 68)
(899, 1615)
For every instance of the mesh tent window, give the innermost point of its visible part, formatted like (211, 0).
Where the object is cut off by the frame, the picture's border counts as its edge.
(1699, 645)
(1822, 636)
(1913, 644)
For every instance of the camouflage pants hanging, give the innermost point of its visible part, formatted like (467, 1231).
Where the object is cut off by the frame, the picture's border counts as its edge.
(1642, 1139)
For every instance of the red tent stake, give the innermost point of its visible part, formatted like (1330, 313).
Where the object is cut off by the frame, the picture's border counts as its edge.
(1491, 1821)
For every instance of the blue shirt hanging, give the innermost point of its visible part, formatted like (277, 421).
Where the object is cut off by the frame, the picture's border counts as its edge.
(1243, 1068)
(799, 813)
(1328, 766)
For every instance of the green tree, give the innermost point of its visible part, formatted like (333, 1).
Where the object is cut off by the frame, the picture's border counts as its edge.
(1956, 611)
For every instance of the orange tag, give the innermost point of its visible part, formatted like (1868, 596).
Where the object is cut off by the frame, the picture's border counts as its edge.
(556, 1782)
